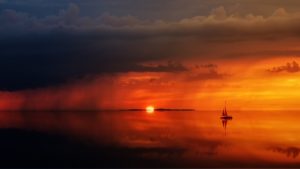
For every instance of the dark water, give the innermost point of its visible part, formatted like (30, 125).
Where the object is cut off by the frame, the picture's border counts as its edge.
(139, 139)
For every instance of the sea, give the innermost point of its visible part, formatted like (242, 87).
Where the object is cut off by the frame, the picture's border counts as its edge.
(142, 139)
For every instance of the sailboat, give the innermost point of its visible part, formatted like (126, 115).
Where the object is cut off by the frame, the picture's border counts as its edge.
(225, 116)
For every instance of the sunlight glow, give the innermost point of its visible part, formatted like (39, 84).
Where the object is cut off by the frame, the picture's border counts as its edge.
(150, 109)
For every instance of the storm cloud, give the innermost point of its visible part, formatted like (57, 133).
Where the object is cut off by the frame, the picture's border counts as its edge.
(43, 51)
(292, 67)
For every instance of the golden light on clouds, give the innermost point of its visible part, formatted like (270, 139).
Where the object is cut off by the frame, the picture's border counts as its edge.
(250, 59)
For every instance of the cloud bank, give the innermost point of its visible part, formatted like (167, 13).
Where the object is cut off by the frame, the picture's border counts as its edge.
(292, 67)
(44, 51)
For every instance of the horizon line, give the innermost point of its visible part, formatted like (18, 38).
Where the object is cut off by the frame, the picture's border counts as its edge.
(95, 110)
(135, 109)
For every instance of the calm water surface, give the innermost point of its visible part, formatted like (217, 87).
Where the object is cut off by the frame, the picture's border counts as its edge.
(185, 139)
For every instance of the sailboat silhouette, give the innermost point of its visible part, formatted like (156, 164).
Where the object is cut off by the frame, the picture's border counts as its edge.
(225, 117)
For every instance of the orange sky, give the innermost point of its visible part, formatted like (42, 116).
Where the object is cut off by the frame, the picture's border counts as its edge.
(246, 85)
(249, 60)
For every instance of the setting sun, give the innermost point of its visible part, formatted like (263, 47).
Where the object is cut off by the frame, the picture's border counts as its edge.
(150, 109)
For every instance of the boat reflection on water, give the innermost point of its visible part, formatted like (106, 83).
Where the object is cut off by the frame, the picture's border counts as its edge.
(225, 118)
(136, 139)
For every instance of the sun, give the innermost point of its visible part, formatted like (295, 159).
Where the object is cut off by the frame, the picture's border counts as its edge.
(150, 109)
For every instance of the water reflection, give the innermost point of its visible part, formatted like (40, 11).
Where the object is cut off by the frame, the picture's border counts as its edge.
(172, 139)
(292, 152)
(224, 123)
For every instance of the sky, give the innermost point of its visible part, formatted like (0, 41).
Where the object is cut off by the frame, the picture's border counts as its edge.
(90, 55)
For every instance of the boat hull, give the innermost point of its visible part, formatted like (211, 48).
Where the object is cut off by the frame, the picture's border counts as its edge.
(226, 117)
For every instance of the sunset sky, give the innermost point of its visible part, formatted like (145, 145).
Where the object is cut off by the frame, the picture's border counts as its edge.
(119, 54)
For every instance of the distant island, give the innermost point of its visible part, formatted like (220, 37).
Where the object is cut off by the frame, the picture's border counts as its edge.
(159, 109)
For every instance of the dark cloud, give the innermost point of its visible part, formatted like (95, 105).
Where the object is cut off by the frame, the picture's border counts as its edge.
(292, 67)
(210, 65)
(169, 67)
(265, 53)
(209, 75)
(219, 25)
(144, 8)
(43, 60)
(43, 51)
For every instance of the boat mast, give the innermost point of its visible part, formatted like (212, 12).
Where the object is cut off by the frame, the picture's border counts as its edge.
(225, 111)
